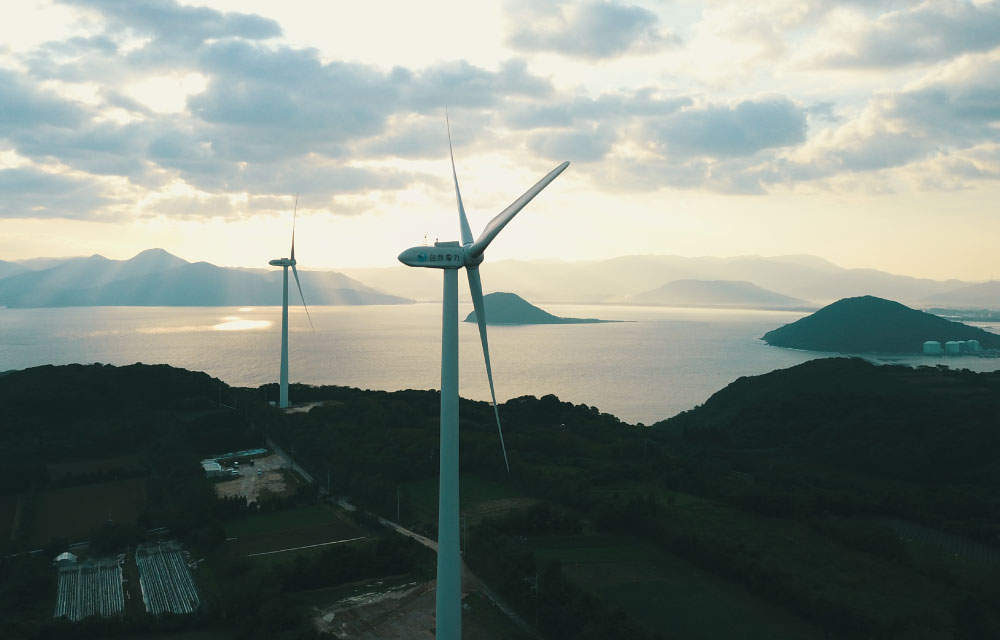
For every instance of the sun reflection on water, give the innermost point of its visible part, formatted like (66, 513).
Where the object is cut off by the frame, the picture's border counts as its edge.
(236, 323)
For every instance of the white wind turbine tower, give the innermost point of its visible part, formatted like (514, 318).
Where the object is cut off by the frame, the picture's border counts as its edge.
(450, 257)
(285, 263)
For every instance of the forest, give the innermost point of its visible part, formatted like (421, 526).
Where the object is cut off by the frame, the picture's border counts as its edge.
(833, 499)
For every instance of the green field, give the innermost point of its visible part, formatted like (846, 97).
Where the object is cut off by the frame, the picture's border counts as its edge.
(73, 512)
(478, 498)
(666, 593)
(8, 507)
(127, 464)
(300, 527)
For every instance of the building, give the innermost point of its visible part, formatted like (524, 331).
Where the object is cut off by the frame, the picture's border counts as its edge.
(212, 469)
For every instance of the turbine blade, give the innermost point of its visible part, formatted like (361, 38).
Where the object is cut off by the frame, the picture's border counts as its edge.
(463, 222)
(505, 216)
(476, 289)
(294, 211)
(295, 272)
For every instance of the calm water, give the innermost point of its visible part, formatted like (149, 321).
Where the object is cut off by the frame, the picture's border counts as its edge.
(663, 361)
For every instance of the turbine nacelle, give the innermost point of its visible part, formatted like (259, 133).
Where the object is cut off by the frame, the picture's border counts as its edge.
(443, 255)
(282, 262)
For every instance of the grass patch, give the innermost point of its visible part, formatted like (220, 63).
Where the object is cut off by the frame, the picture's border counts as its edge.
(478, 498)
(661, 590)
(278, 520)
(73, 512)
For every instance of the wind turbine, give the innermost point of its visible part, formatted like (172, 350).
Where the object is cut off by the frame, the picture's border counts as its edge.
(450, 257)
(285, 263)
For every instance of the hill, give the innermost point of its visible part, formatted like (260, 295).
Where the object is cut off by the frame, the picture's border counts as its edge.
(716, 293)
(510, 308)
(923, 424)
(872, 325)
(157, 278)
(984, 295)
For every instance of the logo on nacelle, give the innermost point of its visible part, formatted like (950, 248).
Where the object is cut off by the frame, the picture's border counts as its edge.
(422, 256)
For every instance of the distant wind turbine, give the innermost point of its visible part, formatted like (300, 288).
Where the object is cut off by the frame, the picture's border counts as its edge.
(285, 263)
(452, 256)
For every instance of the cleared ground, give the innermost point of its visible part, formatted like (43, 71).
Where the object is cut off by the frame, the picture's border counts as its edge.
(266, 476)
(73, 512)
(377, 612)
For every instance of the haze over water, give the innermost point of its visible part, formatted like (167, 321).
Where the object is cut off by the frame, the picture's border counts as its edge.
(661, 362)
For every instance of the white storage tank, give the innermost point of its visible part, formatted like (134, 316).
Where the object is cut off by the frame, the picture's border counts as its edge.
(932, 347)
(953, 346)
(972, 346)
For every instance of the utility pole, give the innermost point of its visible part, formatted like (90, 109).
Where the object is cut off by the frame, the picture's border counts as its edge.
(397, 504)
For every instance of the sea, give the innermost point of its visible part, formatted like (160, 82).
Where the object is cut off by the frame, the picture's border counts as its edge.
(653, 364)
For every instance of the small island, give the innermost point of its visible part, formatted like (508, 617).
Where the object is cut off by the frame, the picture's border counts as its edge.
(868, 324)
(512, 309)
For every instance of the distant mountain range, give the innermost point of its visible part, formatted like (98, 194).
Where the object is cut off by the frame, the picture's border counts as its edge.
(872, 325)
(158, 278)
(797, 281)
(510, 308)
(812, 280)
(716, 293)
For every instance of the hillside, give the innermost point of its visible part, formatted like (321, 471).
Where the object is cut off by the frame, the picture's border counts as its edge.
(157, 278)
(872, 325)
(716, 293)
(510, 308)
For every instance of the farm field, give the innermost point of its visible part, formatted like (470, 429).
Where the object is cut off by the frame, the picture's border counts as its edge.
(968, 550)
(315, 524)
(663, 591)
(72, 512)
(127, 464)
(479, 498)
(8, 511)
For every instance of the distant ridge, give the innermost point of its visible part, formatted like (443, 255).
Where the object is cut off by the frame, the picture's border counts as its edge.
(510, 308)
(613, 280)
(984, 295)
(873, 325)
(157, 278)
(716, 293)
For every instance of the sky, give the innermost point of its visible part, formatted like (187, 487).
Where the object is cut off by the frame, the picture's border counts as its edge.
(865, 132)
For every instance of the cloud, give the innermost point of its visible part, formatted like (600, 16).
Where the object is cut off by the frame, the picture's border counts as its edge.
(184, 25)
(26, 192)
(586, 145)
(739, 129)
(591, 29)
(23, 105)
(927, 32)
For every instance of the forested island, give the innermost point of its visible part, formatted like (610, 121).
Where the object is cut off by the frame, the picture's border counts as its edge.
(510, 308)
(868, 324)
(833, 499)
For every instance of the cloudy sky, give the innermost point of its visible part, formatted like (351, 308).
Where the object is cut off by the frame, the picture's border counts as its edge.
(865, 132)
